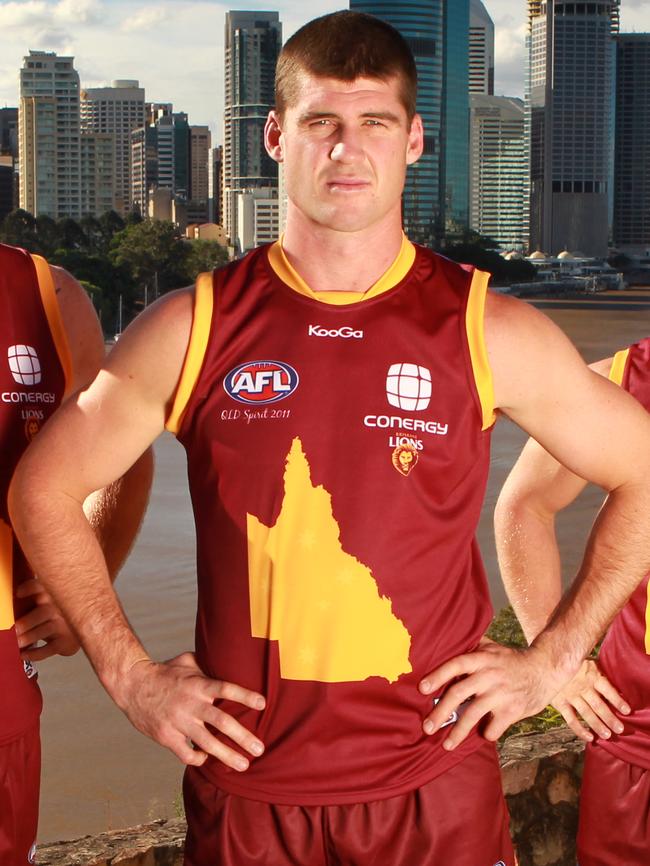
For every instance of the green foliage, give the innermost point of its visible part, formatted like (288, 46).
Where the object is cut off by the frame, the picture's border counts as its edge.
(203, 255)
(19, 229)
(132, 259)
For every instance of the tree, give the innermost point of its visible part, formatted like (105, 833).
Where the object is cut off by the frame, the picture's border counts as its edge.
(19, 229)
(203, 255)
(48, 234)
(154, 254)
(72, 235)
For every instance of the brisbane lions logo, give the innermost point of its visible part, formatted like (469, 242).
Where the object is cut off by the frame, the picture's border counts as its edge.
(404, 459)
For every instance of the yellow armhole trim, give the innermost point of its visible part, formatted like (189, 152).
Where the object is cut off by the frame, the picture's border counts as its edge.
(477, 349)
(201, 322)
(55, 321)
(6, 577)
(390, 278)
(618, 366)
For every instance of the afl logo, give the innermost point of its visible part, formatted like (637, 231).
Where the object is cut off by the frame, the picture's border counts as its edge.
(261, 382)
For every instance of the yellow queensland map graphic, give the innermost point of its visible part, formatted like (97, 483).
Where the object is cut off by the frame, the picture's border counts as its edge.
(320, 603)
(6, 579)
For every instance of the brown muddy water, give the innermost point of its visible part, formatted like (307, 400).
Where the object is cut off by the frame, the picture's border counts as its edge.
(98, 772)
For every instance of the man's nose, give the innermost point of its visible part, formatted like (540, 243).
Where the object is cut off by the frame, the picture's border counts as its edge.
(347, 148)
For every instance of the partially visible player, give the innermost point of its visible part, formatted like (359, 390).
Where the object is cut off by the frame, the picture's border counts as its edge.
(612, 695)
(50, 346)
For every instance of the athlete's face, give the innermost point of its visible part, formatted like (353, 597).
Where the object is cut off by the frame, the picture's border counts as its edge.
(345, 147)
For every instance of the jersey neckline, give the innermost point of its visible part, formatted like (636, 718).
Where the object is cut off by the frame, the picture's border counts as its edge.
(392, 277)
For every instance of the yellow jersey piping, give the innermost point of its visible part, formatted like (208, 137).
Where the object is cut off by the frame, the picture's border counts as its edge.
(388, 280)
(474, 324)
(201, 323)
(617, 370)
(47, 291)
(7, 616)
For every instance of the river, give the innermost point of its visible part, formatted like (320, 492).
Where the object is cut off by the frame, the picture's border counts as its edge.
(101, 774)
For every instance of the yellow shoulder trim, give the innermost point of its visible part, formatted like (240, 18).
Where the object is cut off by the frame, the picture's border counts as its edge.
(478, 352)
(201, 322)
(647, 621)
(55, 321)
(390, 278)
(618, 366)
(6, 577)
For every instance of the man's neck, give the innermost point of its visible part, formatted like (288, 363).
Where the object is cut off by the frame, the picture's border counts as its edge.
(328, 260)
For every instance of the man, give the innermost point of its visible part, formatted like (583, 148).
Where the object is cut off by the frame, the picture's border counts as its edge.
(615, 795)
(51, 345)
(338, 594)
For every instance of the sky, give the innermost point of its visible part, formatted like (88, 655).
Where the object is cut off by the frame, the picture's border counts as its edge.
(174, 48)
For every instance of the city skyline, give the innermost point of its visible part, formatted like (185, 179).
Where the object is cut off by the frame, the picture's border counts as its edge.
(148, 41)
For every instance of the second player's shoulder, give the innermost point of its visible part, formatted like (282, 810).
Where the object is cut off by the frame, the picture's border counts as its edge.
(151, 351)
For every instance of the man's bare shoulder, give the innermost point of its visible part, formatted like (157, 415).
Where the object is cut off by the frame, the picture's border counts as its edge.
(150, 353)
(81, 325)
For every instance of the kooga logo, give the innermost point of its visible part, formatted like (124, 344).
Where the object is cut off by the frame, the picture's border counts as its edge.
(345, 332)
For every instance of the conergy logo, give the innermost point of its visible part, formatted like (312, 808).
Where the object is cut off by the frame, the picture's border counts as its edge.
(345, 332)
(261, 382)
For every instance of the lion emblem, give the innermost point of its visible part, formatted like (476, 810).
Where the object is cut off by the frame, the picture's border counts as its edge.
(404, 459)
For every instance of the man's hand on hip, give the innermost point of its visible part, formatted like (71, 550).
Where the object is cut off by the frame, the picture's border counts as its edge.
(173, 703)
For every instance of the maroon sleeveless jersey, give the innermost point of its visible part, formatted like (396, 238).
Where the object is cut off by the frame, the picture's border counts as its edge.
(33, 365)
(337, 459)
(625, 650)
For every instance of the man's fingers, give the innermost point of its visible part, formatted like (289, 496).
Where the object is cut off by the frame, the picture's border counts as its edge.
(472, 715)
(233, 692)
(210, 745)
(36, 617)
(38, 653)
(451, 701)
(604, 712)
(610, 694)
(573, 721)
(233, 729)
(456, 667)
(30, 588)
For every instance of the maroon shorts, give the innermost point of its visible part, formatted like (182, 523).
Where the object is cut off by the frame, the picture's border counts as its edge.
(459, 818)
(20, 779)
(614, 826)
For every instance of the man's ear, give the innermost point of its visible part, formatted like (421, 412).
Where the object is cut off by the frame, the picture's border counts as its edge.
(272, 136)
(416, 140)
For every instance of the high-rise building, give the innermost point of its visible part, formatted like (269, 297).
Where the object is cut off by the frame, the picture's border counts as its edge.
(257, 218)
(8, 160)
(198, 210)
(481, 49)
(160, 155)
(455, 120)
(437, 32)
(9, 132)
(632, 157)
(570, 124)
(421, 24)
(216, 214)
(498, 173)
(49, 136)
(117, 110)
(252, 45)
(97, 173)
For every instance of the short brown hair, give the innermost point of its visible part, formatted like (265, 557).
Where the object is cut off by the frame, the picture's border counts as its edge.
(346, 45)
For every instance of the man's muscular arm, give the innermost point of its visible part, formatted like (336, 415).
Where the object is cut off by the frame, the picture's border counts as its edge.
(537, 488)
(92, 441)
(581, 419)
(115, 512)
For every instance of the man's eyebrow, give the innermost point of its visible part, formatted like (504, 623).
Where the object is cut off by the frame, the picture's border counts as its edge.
(308, 116)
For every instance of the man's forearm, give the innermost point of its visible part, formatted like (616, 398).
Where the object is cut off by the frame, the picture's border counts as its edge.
(116, 511)
(529, 562)
(616, 559)
(64, 552)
